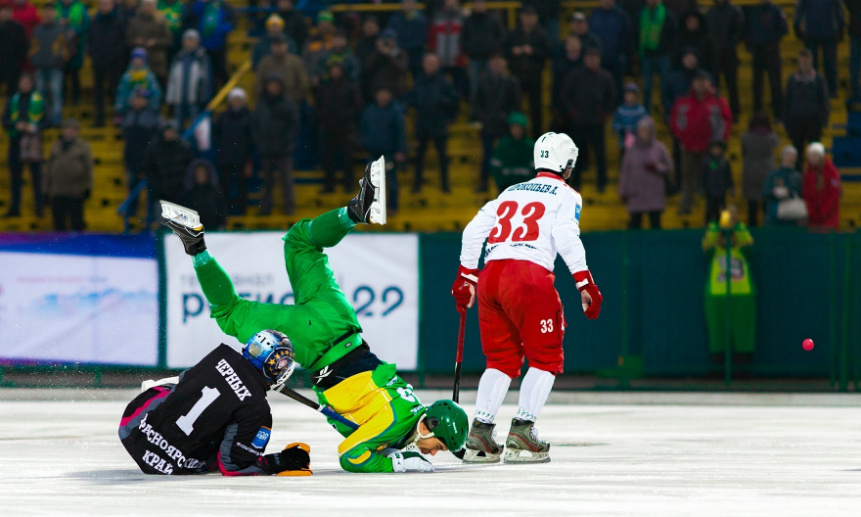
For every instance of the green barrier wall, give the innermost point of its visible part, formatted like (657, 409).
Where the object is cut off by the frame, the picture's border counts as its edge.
(809, 286)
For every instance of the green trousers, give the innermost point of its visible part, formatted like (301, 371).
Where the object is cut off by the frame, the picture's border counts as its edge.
(321, 313)
(743, 330)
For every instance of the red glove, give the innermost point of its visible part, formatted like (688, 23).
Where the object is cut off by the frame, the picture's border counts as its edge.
(585, 284)
(463, 289)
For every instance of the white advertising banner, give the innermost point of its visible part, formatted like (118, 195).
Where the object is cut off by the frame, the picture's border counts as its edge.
(78, 308)
(378, 274)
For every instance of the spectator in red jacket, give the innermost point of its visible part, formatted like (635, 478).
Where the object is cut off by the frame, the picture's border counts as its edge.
(26, 14)
(697, 120)
(821, 189)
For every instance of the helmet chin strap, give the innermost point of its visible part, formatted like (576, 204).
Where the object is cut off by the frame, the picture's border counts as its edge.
(569, 168)
(418, 435)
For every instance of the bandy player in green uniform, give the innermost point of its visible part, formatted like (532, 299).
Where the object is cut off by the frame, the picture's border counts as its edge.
(326, 337)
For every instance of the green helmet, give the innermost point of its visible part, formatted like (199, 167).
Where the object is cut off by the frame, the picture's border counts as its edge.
(448, 422)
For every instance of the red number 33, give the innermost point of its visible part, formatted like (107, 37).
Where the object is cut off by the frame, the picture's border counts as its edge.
(528, 232)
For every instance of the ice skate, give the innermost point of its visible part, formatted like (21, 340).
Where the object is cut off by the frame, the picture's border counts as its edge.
(481, 446)
(369, 205)
(523, 444)
(185, 223)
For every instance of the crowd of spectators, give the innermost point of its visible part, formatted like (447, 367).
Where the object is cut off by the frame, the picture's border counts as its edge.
(349, 82)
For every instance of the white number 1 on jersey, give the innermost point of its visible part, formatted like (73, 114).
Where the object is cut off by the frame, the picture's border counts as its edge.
(186, 422)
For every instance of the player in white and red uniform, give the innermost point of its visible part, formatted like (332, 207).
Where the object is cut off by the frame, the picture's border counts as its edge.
(519, 310)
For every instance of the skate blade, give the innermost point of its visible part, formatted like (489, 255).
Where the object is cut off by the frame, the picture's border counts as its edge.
(476, 456)
(180, 215)
(525, 456)
(378, 180)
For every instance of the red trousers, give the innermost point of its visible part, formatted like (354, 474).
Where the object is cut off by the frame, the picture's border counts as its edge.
(520, 315)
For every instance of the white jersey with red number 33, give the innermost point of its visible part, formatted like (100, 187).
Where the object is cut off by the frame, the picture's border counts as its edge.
(531, 221)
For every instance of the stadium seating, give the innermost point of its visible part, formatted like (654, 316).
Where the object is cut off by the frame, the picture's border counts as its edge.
(431, 210)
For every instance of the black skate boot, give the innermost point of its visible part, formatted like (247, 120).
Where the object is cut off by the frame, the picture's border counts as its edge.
(481, 446)
(185, 223)
(369, 205)
(523, 444)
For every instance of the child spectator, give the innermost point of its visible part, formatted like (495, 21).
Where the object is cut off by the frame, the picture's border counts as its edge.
(13, 48)
(717, 180)
(512, 159)
(642, 176)
(381, 130)
(435, 101)
(627, 117)
(782, 184)
(140, 127)
(274, 127)
(73, 15)
(189, 86)
(757, 150)
(233, 141)
(68, 179)
(821, 189)
(338, 105)
(137, 77)
(201, 194)
(48, 55)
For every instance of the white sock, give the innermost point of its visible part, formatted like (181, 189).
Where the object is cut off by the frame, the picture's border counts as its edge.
(534, 391)
(491, 392)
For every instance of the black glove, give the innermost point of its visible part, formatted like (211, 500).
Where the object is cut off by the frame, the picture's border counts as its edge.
(294, 457)
(87, 194)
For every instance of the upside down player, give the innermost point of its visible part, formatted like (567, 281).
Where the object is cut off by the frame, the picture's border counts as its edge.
(216, 415)
(519, 311)
(325, 333)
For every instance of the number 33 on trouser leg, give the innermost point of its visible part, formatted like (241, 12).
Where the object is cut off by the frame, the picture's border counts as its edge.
(519, 310)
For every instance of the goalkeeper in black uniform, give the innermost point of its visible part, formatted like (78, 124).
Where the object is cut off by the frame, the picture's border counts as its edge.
(216, 416)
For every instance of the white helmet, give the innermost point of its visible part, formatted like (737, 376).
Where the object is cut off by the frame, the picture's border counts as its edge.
(554, 152)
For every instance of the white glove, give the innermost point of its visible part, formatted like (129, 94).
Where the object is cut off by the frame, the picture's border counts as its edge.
(408, 461)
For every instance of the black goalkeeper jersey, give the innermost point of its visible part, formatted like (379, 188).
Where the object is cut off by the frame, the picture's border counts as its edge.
(217, 415)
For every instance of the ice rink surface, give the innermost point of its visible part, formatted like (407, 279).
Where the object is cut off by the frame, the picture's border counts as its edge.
(680, 457)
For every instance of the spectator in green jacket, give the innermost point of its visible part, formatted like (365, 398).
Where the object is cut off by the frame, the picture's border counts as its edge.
(742, 291)
(74, 16)
(512, 159)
